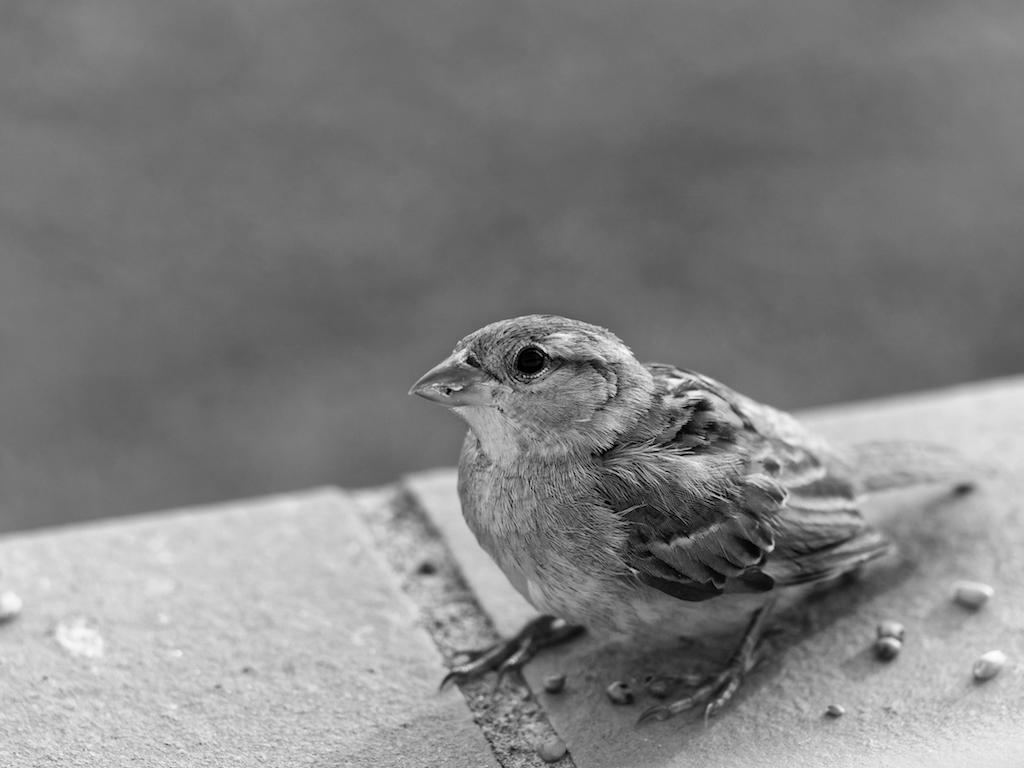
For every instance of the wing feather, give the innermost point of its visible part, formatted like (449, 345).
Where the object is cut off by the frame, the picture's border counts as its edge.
(722, 494)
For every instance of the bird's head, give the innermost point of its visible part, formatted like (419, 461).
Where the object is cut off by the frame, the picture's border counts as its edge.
(541, 385)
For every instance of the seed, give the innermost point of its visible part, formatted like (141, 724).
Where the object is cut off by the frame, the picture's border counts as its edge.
(10, 605)
(552, 750)
(619, 692)
(835, 710)
(988, 665)
(887, 648)
(972, 594)
(891, 628)
(554, 683)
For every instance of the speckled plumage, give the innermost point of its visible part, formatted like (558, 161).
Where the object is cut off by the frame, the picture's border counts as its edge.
(646, 499)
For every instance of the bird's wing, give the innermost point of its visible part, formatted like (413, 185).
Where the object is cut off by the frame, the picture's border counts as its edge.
(722, 494)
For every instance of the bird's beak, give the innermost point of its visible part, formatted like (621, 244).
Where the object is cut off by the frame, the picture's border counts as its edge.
(453, 382)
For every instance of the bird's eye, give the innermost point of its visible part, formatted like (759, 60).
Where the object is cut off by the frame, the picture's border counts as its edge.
(530, 361)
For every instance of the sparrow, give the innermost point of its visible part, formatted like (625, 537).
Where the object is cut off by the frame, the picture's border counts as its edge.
(645, 500)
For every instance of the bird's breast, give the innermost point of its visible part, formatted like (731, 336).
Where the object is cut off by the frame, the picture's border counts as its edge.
(551, 534)
(563, 549)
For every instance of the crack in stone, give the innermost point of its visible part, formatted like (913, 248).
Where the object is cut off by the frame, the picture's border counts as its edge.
(511, 719)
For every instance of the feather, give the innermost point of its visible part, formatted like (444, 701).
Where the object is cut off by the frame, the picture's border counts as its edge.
(599, 484)
(728, 496)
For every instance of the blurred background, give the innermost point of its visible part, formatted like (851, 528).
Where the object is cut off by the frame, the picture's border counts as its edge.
(233, 232)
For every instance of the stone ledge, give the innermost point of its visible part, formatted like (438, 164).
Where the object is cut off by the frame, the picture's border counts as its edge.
(270, 632)
(259, 633)
(922, 709)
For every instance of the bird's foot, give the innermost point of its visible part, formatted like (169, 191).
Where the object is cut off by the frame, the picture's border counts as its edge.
(715, 692)
(508, 656)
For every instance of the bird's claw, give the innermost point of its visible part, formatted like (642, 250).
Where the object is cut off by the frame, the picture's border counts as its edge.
(469, 654)
(510, 671)
(717, 691)
(663, 686)
(507, 657)
(478, 663)
(657, 712)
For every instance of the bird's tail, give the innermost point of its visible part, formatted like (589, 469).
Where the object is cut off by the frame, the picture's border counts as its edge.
(886, 465)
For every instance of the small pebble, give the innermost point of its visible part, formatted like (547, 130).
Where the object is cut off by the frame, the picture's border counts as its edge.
(10, 605)
(891, 628)
(835, 710)
(79, 636)
(887, 648)
(619, 693)
(426, 568)
(988, 665)
(972, 594)
(552, 750)
(962, 489)
(554, 683)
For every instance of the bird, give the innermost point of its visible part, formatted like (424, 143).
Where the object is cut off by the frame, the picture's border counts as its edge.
(639, 500)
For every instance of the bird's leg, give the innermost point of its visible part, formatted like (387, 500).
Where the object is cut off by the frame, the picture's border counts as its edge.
(720, 688)
(510, 655)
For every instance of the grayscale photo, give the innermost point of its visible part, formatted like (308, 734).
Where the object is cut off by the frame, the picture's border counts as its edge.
(447, 384)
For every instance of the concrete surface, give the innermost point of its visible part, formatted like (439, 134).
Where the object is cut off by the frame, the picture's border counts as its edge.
(233, 232)
(922, 709)
(265, 632)
(273, 632)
